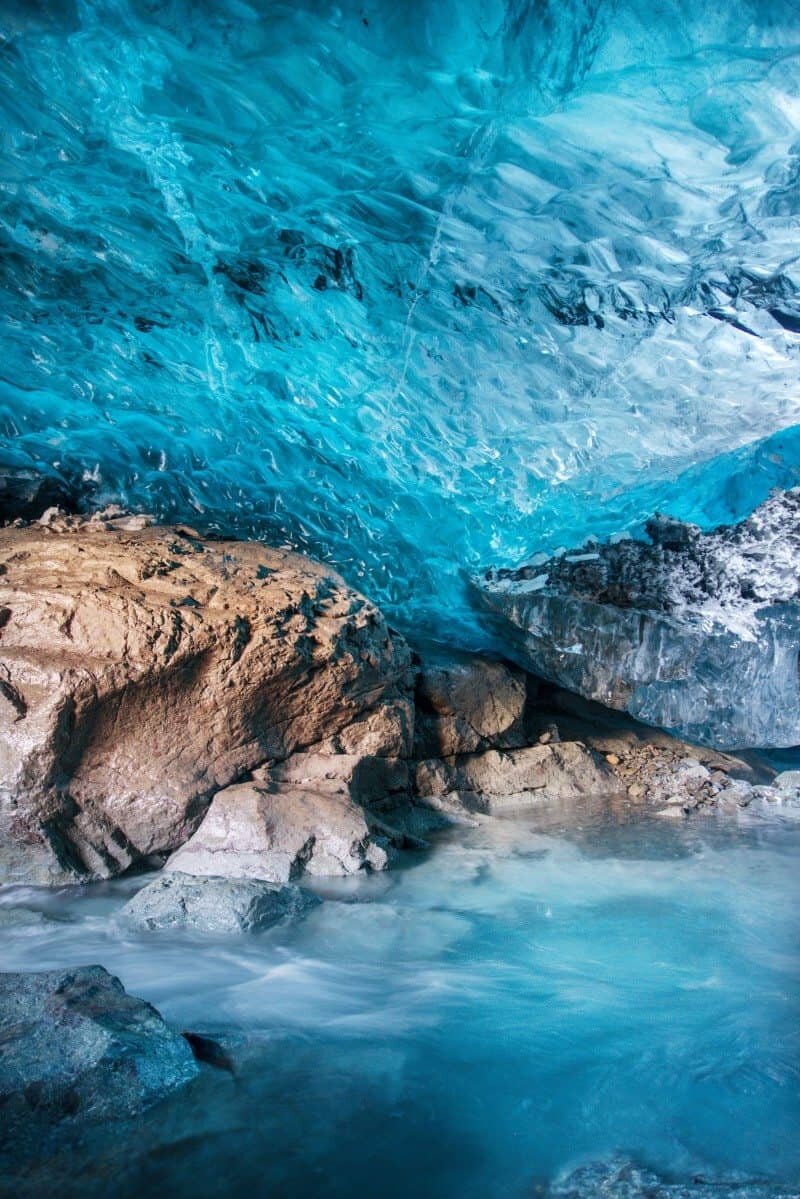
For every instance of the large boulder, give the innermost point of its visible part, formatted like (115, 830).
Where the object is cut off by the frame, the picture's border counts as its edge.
(466, 703)
(143, 669)
(73, 1043)
(502, 780)
(213, 905)
(695, 632)
(276, 833)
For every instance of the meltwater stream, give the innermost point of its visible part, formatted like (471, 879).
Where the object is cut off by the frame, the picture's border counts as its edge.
(522, 1000)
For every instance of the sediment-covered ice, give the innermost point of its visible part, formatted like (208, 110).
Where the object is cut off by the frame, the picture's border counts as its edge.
(698, 633)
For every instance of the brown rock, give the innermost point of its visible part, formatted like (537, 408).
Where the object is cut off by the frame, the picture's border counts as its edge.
(492, 780)
(365, 779)
(466, 704)
(143, 669)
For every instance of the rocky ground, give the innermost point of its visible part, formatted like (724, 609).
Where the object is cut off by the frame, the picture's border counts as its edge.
(240, 720)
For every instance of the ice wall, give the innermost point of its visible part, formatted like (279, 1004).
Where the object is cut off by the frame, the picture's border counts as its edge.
(418, 287)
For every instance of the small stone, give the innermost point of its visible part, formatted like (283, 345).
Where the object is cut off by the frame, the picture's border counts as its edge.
(635, 790)
(612, 759)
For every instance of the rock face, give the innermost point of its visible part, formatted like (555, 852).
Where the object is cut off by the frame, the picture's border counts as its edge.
(258, 831)
(213, 905)
(144, 669)
(467, 703)
(496, 781)
(73, 1043)
(696, 632)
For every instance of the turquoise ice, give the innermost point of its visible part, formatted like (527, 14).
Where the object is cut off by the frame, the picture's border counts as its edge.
(417, 287)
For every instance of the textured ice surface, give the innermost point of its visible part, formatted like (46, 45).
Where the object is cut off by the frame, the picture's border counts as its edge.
(697, 632)
(417, 286)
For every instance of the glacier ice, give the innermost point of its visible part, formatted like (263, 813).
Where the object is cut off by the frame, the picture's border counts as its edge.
(696, 632)
(414, 287)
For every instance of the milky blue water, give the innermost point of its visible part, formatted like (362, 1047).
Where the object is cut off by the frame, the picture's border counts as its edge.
(415, 286)
(471, 1026)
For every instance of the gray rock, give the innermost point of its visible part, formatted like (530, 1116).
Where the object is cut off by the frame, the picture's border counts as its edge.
(265, 831)
(73, 1043)
(495, 781)
(467, 703)
(19, 918)
(213, 905)
(787, 782)
(696, 632)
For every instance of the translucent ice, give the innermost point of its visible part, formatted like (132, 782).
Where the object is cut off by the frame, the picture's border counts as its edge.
(415, 286)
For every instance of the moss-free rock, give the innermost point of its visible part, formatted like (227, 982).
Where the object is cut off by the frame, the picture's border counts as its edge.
(142, 669)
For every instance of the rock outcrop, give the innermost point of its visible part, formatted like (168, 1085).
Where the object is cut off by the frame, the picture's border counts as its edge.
(213, 905)
(497, 780)
(695, 632)
(467, 703)
(74, 1044)
(144, 669)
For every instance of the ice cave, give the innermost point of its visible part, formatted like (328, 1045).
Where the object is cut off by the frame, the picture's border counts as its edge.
(400, 599)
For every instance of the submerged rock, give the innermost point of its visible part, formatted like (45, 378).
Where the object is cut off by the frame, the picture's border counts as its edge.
(254, 830)
(214, 905)
(622, 1179)
(495, 781)
(144, 669)
(695, 632)
(73, 1043)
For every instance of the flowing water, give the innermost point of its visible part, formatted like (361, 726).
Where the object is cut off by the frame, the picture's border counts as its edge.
(524, 998)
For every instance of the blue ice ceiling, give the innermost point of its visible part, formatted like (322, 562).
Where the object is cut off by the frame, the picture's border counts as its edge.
(416, 286)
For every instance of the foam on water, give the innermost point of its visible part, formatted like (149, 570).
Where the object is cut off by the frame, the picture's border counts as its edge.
(501, 1010)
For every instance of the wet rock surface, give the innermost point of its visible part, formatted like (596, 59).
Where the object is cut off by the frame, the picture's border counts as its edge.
(75, 1045)
(213, 905)
(694, 632)
(144, 669)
